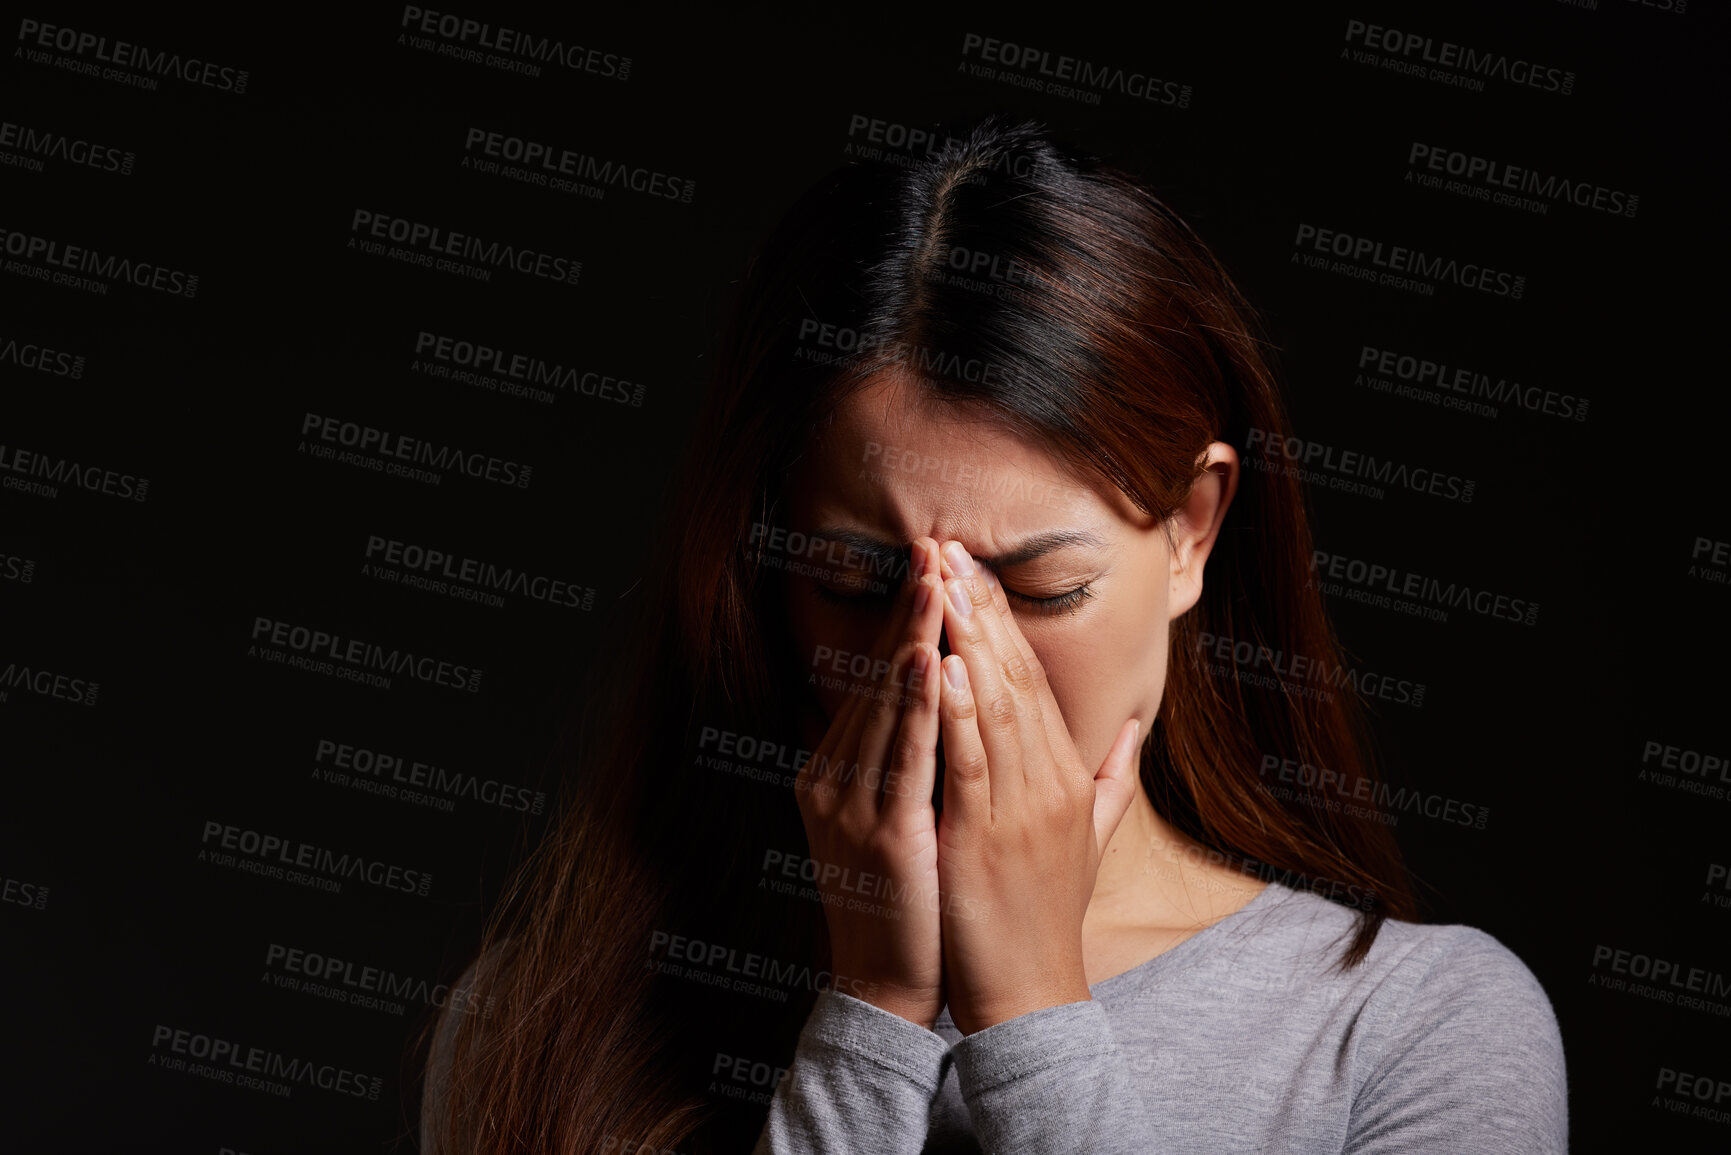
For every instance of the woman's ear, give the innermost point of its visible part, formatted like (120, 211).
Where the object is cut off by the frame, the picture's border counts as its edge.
(1190, 532)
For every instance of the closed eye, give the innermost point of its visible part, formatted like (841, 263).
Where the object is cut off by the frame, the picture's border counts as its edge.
(1064, 603)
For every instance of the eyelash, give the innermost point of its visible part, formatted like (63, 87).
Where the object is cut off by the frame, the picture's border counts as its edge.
(1064, 603)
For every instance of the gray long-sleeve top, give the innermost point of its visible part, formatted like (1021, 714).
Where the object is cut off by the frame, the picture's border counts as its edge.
(1243, 1038)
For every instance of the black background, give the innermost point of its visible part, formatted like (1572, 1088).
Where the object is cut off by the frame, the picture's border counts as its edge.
(105, 805)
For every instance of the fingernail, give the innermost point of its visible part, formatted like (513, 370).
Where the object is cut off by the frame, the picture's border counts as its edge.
(959, 559)
(959, 597)
(956, 673)
(922, 597)
(919, 562)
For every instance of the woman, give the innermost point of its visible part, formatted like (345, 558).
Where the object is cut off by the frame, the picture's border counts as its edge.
(968, 453)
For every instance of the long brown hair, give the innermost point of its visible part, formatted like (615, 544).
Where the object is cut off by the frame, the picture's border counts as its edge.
(1042, 289)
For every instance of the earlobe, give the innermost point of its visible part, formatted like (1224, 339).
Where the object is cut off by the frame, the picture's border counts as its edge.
(1198, 524)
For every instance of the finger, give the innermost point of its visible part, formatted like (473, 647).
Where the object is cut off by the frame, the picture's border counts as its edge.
(967, 773)
(1057, 732)
(914, 764)
(879, 743)
(821, 784)
(1115, 784)
(815, 784)
(867, 740)
(1002, 680)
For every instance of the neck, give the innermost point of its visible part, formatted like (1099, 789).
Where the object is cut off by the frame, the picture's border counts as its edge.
(1154, 876)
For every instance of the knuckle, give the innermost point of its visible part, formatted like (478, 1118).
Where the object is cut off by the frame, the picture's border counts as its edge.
(1019, 674)
(1000, 708)
(908, 750)
(880, 844)
(970, 765)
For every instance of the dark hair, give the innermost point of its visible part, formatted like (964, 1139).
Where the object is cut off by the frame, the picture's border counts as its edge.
(1098, 326)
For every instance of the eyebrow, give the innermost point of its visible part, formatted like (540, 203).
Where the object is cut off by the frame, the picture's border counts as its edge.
(887, 554)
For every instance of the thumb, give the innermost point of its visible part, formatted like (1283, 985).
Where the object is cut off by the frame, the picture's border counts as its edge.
(1115, 784)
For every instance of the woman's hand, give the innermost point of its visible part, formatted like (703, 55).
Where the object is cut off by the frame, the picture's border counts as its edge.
(866, 799)
(1024, 823)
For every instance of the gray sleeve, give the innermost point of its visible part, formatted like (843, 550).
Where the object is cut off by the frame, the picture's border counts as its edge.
(1470, 1059)
(862, 1081)
(1474, 1061)
(1052, 1080)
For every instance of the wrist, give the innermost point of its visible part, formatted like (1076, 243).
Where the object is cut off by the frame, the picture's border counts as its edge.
(919, 1009)
(978, 1014)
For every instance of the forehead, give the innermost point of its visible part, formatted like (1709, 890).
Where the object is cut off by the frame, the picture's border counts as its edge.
(899, 462)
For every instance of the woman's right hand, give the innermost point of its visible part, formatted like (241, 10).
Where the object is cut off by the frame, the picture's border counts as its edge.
(866, 799)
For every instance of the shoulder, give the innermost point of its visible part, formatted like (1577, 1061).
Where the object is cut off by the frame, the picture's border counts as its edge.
(1311, 932)
(1458, 1037)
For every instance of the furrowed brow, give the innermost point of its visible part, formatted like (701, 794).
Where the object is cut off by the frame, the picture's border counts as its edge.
(886, 554)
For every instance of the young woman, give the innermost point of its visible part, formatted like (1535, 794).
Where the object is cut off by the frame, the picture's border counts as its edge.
(1060, 880)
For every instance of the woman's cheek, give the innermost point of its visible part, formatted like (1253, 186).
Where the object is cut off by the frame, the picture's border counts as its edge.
(1100, 678)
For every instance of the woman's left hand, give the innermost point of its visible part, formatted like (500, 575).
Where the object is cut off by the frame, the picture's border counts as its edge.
(1024, 823)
